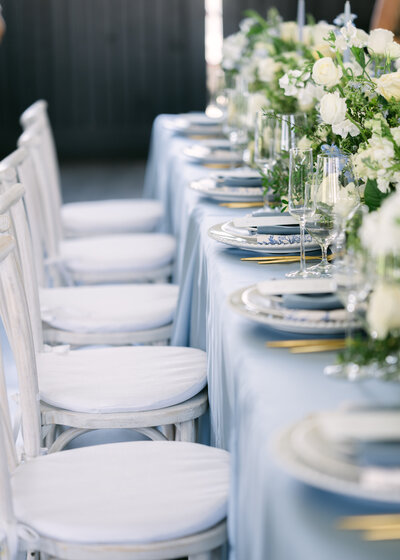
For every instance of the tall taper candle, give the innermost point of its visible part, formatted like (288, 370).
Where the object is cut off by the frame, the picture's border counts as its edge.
(346, 20)
(301, 18)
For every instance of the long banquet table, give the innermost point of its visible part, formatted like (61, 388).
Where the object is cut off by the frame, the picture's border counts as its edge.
(253, 390)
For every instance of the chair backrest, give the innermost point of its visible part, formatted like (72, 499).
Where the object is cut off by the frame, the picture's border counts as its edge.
(12, 203)
(37, 114)
(16, 320)
(14, 313)
(31, 140)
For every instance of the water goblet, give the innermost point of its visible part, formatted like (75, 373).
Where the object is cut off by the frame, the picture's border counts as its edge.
(300, 206)
(335, 199)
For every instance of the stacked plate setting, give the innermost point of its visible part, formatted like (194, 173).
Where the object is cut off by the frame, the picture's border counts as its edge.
(242, 184)
(305, 306)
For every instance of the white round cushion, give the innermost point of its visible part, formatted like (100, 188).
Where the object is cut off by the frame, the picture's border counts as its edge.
(122, 308)
(111, 216)
(125, 379)
(136, 252)
(135, 492)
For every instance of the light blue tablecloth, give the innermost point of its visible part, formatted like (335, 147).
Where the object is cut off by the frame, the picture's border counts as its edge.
(254, 391)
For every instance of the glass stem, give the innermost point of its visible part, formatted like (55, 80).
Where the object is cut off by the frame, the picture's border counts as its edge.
(302, 248)
(324, 255)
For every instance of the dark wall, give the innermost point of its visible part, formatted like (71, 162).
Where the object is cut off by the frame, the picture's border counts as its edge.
(325, 9)
(106, 67)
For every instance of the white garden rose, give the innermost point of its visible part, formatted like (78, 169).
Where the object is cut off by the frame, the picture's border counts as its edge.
(320, 32)
(383, 313)
(374, 159)
(388, 85)
(345, 128)
(380, 230)
(304, 143)
(333, 108)
(326, 73)
(324, 49)
(289, 31)
(256, 102)
(379, 41)
(267, 68)
(232, 50)
(307, 97)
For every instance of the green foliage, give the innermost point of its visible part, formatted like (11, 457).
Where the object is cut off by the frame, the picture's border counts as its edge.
(277, 182)
(364, 350)
(373, 197)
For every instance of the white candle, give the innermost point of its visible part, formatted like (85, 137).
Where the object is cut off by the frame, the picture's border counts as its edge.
(301, 17)
(347, 19)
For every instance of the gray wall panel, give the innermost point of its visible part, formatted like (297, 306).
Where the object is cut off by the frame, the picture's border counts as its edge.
(107, 68)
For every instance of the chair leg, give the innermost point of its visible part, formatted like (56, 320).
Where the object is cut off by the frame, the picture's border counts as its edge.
(185, 431)
(168, 431)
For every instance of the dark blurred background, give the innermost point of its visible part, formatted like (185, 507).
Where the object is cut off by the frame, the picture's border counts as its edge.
(108, 67)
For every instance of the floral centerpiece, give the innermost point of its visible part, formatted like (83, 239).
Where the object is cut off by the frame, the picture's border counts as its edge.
(378, 351)
(359, 110)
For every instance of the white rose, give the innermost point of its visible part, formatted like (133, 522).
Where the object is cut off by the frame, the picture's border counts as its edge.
(350, 36)
(384, 310)
(307, 97)
(256, 102)
(326, 73)
(393, 50)
(304, 143)
(388, 85)
(321, 32)
(379, 40)
(289, 31)
(380, 230)
(396, 134)
(333, 108)
(267, 69)
(324, 49)
(345, 128)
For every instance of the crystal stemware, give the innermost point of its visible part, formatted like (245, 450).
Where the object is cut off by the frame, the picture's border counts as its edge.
(235, 126)
(300, 205)
(264, 145)
(335, 199)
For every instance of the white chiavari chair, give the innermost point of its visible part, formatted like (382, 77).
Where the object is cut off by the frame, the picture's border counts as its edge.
(101, 388)
(98, 217)
(85, 315)
(102, 259)
(137, 500)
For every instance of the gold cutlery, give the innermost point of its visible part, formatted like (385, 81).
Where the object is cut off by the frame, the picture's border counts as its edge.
(381, 527)
(309, 345)
(242, 204)
(218, 165)
(283, 258)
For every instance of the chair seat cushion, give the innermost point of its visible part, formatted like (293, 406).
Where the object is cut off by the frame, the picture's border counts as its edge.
(133, 252)
(111, 216)
(125, 379)
(135, 492)
(115, 308)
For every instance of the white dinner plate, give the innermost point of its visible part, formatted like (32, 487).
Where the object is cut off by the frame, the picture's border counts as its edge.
(194, 124)
(199, 153)
(208, 187)
(305, 455)
(241, 238)
(243, 303)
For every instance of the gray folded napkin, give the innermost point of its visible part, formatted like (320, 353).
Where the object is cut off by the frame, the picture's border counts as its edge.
(311, 301)
(239, 181)
(378, 453)
(279, 230)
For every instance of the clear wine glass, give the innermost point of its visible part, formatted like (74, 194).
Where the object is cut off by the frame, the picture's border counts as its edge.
(235, 127)
(300, 206)
(289, 128)
(335, 199)
(264, 145)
